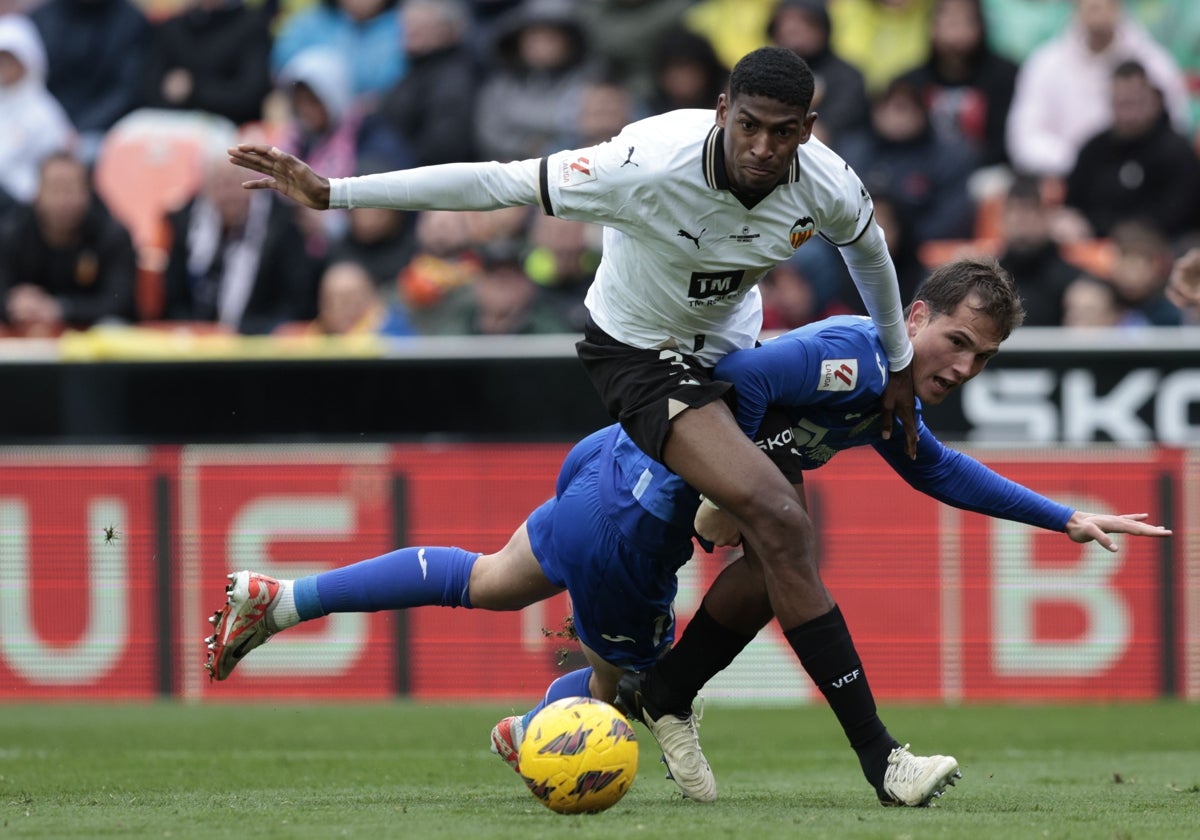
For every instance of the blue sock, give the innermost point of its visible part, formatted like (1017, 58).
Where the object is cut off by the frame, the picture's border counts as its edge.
(406, 577)
(574, 684)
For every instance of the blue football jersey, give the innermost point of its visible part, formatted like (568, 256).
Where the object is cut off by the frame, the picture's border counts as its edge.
(826, 379)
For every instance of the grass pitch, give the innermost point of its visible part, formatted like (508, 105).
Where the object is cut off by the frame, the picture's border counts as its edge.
(407, 770)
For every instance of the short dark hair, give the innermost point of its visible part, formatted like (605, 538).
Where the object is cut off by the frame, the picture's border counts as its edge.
(1130, 68)
(776, 73)
(998, 298)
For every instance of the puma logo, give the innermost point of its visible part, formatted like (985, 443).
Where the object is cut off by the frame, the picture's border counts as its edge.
(629, 158)
(695, 239)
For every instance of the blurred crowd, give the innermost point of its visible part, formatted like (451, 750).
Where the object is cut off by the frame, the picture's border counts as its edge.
(1060, 135)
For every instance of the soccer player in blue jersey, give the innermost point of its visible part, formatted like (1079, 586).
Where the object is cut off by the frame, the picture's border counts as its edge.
(621, 525)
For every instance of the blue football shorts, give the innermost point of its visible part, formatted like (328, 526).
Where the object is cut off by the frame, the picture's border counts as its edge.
(622, 596)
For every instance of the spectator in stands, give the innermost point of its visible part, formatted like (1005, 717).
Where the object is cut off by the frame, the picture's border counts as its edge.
(686, 72)
(444, 260)
(447, 257)
(536, 74)
(803, 26)
(213, 56)
(1031, 255)
(349, 303)
(1139, 166)
(1091, 302)
(968, 88)
(96, 55)
(1140, 273)
(485, 13)
(563, 257)
(882, 38)
(733, 27)
(502, 300)
(1062, 91)
(795, 295)
(623, 35)
(900, 153)
(327, 125)
(605, 107)
(364, 33)
(33, 123)
(1176, 25)
(64, 261)
(238, 258)
(383, 242)
(432, 108)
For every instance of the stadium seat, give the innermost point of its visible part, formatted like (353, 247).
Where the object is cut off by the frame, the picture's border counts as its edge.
(149, 165)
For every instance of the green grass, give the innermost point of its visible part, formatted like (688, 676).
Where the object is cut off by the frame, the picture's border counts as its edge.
(407, 770)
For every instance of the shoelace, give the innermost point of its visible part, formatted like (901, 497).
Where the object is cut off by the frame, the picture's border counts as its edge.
(906, 764)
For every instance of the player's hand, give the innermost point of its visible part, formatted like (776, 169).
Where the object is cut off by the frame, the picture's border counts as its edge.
(1086, 527)
(1183, 289)
(286, 174)
(716, 525)
(900, 401)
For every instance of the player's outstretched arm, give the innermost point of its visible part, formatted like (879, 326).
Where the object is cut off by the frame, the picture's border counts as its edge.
(286, 174)
(899, 401)
(1085, 527)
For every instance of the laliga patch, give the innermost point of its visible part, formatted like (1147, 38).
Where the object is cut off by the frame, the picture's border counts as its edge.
(577, 170)
(838, 375)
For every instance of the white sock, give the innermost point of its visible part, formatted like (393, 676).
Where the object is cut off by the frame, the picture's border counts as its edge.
(283, 612)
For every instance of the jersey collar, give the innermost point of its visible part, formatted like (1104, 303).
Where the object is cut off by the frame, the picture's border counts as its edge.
(713, 160)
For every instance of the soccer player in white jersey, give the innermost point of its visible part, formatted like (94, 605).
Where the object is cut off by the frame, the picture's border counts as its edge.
(695, 211)
(620, 525)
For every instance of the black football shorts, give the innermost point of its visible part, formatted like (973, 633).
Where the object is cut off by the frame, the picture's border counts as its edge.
(645, 389)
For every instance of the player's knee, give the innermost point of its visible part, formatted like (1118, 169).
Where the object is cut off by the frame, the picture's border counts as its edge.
(776, 517)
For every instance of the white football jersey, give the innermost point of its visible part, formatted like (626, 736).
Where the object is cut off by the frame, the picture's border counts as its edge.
(681, 253)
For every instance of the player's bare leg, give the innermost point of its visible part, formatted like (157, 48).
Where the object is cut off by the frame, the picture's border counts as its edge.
(708, 450)
(706, 447)
(510, 579)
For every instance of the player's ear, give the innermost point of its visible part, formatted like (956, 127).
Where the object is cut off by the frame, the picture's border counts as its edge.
(918, 317)
(722, 109)
(807, 128)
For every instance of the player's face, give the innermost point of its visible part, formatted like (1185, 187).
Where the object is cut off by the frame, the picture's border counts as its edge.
(949, 350)
(761, 136)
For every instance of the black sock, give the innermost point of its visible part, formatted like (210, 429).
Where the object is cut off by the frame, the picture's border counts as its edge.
(827, 653)
(705, 649)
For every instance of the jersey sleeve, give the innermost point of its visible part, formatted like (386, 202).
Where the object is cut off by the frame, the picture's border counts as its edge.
(588, 185)
(874, 275)
(791, 371)
(850, 212)
(780, 370)
(959, 480)
(447, 186)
